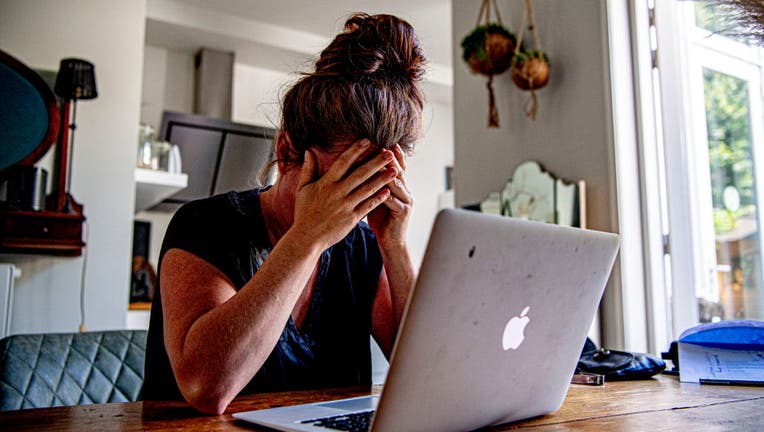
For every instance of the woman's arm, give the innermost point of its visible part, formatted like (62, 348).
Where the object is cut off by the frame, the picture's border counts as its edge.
(217, 339)
(389, 223)
(391, 298)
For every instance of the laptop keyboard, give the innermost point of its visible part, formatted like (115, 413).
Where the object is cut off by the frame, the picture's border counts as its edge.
(356, 422)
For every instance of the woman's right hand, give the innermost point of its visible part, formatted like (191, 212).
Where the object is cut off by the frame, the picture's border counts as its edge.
(327, 209)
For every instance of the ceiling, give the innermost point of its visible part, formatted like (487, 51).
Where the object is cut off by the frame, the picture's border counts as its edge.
(431, 18)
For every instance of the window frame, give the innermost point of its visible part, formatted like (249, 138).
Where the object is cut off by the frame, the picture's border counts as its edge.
(683, 51)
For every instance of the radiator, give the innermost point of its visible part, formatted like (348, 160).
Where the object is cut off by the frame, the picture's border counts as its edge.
(8, 272)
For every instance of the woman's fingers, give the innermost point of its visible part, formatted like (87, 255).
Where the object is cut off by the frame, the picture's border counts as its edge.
(373, 185)
(359, 185)
(368, 170)
(369, 204)
(345, 161)
(395, 205)
(308, 170)
(399, 188)
(400, 191)
(400, 157)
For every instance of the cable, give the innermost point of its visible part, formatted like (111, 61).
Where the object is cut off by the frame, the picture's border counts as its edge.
(82, 279)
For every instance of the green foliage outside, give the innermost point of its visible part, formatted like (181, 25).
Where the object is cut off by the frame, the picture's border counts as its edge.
(729, 146)
(721, 19)
(707, 16)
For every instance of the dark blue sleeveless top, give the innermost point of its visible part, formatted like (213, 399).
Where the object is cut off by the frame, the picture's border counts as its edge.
(332, 347)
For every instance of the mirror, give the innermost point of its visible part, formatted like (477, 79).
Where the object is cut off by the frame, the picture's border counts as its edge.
(536, 194)
(29, 115)
(530, 194)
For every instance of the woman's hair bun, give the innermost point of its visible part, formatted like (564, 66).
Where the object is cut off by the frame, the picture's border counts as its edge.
(374, 45)
(365, 85)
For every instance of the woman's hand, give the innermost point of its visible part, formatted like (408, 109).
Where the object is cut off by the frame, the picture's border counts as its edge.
(390, 220)
(328, 208)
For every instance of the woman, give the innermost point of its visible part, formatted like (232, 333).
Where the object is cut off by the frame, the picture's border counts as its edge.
(280, 287)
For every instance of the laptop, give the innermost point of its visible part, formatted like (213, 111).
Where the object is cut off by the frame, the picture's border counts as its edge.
(491, 334)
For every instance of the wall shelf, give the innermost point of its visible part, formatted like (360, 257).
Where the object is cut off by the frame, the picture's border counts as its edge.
(42, 232)
(151, 187)
(140, 306)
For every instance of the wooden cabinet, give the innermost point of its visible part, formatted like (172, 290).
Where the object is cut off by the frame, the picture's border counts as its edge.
(41, 232)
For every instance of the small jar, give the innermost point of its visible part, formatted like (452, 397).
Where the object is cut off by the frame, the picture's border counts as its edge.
(160, 155)
(145, 144)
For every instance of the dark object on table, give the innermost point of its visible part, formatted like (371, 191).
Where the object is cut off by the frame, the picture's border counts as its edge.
(618, 365)
(673, 355)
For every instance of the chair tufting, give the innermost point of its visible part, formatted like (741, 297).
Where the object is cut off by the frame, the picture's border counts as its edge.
(46, 370)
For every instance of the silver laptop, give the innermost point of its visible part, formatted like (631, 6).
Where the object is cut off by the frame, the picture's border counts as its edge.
(491, 334)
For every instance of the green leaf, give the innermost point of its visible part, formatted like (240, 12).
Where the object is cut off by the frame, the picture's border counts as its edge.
(474, 43)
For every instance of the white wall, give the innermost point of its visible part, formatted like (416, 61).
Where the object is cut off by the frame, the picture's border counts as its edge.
(571, 135)
(110, 34)
(257, 94)
(426, 173)
(168, 80)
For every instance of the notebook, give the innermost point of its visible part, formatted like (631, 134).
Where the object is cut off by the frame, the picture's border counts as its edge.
(491, 333)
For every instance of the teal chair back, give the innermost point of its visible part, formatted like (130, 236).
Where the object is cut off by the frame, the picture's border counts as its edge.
(47, 370)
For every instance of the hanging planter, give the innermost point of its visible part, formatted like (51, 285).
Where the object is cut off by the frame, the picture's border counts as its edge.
(488, 50)
(530, 69)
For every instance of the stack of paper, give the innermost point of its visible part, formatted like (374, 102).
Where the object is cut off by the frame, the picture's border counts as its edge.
(727, 352)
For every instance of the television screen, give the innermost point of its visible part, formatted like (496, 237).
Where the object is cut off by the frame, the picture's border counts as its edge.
(217, 155)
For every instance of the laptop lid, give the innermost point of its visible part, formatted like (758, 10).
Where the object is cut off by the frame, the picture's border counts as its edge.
(494, 328)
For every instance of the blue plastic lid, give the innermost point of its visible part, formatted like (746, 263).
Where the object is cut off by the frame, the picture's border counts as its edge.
(739, 334)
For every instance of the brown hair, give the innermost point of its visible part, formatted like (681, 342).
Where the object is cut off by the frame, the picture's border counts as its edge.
(365, 85)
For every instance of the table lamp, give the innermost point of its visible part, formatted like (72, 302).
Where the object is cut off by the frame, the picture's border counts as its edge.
(75, 80)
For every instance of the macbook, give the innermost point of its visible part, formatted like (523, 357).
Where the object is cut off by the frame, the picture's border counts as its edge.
(491, 334)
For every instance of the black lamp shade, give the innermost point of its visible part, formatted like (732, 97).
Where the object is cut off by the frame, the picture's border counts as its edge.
(76, 79)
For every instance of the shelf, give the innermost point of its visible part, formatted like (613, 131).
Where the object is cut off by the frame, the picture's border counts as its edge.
(151, 187)
(140, 306)
(42, 232)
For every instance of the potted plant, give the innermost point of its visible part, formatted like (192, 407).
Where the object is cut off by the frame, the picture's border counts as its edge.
(488, 50)
(530, 70)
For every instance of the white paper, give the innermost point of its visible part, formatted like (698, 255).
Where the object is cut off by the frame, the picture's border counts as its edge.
(698, 362)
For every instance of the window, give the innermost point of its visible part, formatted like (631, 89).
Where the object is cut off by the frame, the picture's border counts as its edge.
(709, 97)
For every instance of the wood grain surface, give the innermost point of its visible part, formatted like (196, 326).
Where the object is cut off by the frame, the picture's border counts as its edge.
(661, 403)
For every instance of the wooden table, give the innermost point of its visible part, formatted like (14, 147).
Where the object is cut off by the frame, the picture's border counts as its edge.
(661, 403)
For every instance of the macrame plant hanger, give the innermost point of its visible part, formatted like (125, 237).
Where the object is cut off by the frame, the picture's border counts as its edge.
(495, 62)
(530, 70)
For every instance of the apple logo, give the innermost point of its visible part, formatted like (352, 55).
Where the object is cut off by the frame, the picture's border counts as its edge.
(514, 332)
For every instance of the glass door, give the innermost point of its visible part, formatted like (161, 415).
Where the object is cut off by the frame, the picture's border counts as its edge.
(711, 119)
(731, 156)
(726, 98)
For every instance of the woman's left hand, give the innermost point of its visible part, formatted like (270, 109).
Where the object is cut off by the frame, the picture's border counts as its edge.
(389, 221)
